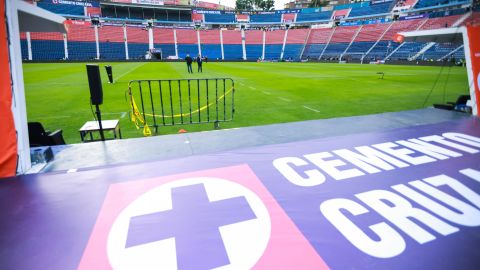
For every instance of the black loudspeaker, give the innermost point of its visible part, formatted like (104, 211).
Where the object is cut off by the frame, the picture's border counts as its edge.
(95, 84)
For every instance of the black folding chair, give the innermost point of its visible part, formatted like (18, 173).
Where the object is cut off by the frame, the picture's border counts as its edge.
(40, 137)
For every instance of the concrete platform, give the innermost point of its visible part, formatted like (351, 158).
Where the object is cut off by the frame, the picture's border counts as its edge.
(97, 154)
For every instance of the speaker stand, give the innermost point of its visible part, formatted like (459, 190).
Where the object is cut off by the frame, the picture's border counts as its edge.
(99, 118)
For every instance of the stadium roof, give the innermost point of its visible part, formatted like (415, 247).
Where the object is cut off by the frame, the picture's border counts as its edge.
(34, 19)
(444, 35)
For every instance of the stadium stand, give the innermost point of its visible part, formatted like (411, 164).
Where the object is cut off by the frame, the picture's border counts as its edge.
(341, 13)
(370, 9)
(431, 3)
(254, 44)
(220, 18)
(163, 39)
(289, 17)
(442, 22)
(265, 18)
(297, 36)
(187, 42)
(64, 9)
(137, 42)
(294, 43)
(242, 17)
(437, 51)
(369, 36)
(341, 38)
(210, 40)
(111, 42)
(197, 17)
(316, 16)
(401, 26)
(274, 44)
(47, 46)
(344, 33)
(407, 50)
(232, 44)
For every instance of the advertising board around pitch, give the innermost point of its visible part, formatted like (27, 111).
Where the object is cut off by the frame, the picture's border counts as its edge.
(402, 199)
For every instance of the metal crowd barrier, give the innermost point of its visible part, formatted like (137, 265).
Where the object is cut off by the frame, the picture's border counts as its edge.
(156, 103)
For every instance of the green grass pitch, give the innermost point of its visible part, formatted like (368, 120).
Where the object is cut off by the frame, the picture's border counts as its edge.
(57, 94)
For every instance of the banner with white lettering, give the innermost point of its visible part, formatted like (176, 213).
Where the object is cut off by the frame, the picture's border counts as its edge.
(474, 45)
(402, 199)
(83, 3)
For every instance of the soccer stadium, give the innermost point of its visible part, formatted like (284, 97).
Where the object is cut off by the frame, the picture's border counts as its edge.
(320, 134)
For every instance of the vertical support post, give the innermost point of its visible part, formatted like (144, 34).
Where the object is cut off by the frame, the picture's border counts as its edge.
(125, 39)
(19, 109)
(244, 52)
(65, 46)
(263, 47)
(221, 44)
(29, 46)
(175, 40)
(472, 66)
(199, 43)
(150, 38)
(96, 41)
(284, 42)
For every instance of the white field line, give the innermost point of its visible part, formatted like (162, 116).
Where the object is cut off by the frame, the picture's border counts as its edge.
(266, 93)
(54, 116)
(125, 73)
(110, 113)
(253, 88)
(284, 99)
(306, 107)
(123, 114)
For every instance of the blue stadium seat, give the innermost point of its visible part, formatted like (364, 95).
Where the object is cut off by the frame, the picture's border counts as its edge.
(78, 50)
(273, 51)
(313, 50)
(407, 50)
(358, 47)
(438, 51)
(254, 51)
(265, 17)
(167, 49)
(137, 50)
(112, 50)
(48, 50)
(292, 51)
(184, 49)
(212, 51)
(317, 16)
(24, 47)
(430, 3)
(370, 9)
(220, 18)
(62, 8)
(334, 50)
(381, 50)
(233, 51)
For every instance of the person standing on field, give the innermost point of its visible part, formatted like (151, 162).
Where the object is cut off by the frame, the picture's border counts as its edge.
(199, 63)
(189, 61)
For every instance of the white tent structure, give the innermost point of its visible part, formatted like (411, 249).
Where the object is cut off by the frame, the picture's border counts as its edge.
(24, 17)
(458, 35)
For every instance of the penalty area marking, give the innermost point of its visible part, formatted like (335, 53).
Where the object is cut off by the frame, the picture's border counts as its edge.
(125, 73)
(311, 109)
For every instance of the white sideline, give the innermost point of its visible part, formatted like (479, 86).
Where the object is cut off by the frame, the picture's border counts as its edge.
(306, 107)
